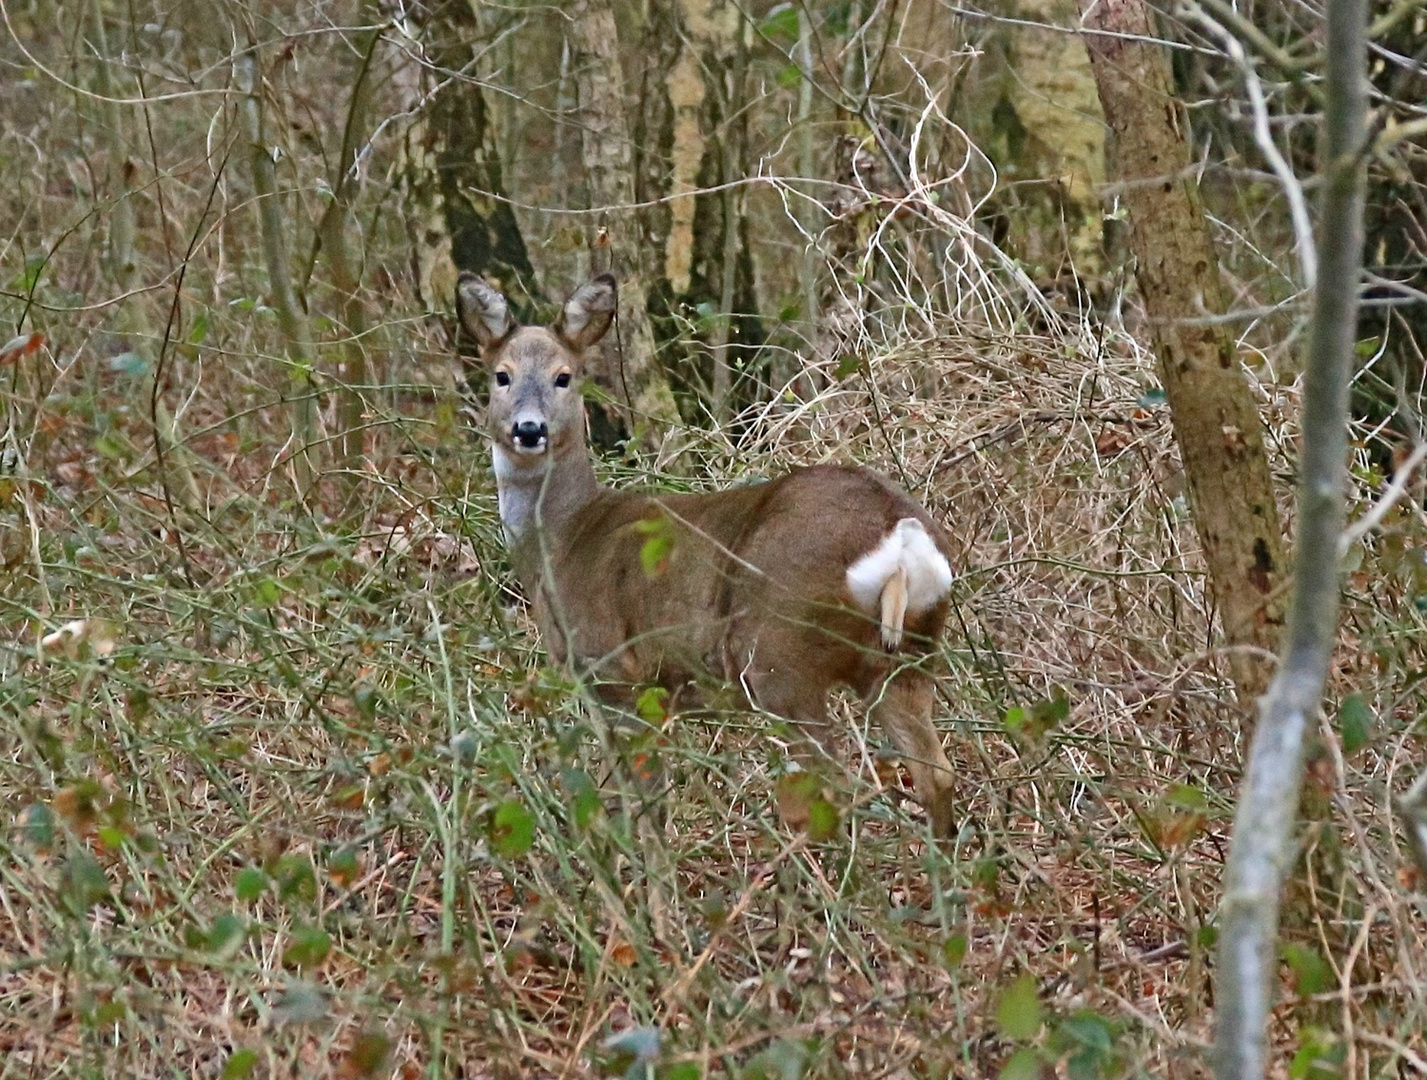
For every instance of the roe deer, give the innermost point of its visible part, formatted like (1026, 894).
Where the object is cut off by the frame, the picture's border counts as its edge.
(826, 576)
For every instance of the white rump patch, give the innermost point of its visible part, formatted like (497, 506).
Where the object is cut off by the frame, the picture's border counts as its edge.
(903, 574)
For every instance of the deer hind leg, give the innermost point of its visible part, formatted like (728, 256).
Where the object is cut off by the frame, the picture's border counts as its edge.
(902, 705)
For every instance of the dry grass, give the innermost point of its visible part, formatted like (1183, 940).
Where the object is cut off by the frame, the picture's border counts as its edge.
(306, 802)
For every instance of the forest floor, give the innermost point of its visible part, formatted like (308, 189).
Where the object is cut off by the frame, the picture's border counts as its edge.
(300, 797)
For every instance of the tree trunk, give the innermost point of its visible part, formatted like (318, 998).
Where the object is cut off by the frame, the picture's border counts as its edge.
(291, 316)
(1263, 844)
(335, 235)
(1216, 422)
(734, 199)
(172, 455)
(455, 192)
(635, 377)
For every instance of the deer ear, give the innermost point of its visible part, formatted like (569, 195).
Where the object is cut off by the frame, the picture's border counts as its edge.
(588, 313)
(483, 311)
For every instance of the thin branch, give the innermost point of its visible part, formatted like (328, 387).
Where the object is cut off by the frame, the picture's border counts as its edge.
(1263, 138)
(1263, 849)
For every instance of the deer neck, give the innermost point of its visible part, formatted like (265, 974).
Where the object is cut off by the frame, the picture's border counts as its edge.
(539, 499)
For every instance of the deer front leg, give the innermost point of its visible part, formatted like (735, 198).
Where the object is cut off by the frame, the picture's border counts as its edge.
(903, 706)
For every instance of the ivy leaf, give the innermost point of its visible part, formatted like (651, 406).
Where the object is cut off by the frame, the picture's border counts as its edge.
(1311, 973)
(1019, 1012)
(512, 829)
(1025, 1064)
(249, 884)
(953, 950)
(240, 1065)
(659, 542)
(308, 948)
(1354, 723)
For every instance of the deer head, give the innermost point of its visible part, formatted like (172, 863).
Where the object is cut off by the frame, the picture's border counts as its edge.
(536, 411)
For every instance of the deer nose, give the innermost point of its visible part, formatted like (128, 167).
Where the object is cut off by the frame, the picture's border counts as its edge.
(530, 434)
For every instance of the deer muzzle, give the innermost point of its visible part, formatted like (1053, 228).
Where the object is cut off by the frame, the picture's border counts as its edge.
(530, 436)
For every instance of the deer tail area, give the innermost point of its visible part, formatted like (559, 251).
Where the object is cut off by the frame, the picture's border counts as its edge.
(904, 573)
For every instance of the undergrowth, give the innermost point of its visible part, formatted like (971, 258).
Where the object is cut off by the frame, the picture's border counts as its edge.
(286, 787)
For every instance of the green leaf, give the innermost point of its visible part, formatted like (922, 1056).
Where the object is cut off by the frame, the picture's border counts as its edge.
(781, 21)
(309, 947)
(651, 705)
(343, 866)
(584, 798)
(249, 884)
(848, 365)
(795, 794)
(1090, 1030)
(1018, 1014)
(225, 934)
(654, 552)
(111, 445)
(986, 872)
(29, 278)
(1025, 1064)
(683, 1070)
(790, 76)
(823, 821)
(1088, 1040)
(953, 950)
(85, 883)
(366, 699)
(1320, 1056)
(240, 1065)
(1355, 722)
(295, 877)
(1034, 723)
(1311, 973)
(654, 555)
(512, 829)
(37, 825)
(1187, 797)
(199, 330)
(266, 593)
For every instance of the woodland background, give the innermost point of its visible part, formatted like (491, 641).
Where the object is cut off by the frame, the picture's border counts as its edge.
(285, 785)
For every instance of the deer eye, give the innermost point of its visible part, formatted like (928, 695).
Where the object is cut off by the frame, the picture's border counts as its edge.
(502, 378)
(562, 380)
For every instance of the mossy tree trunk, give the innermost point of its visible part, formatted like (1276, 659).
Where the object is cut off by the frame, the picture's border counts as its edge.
(274, 230)
(633, 373)
(344, 259)
(1216, 421)
(456, 195)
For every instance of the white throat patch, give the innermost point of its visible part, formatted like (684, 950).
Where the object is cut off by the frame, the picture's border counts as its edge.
(517, 492)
